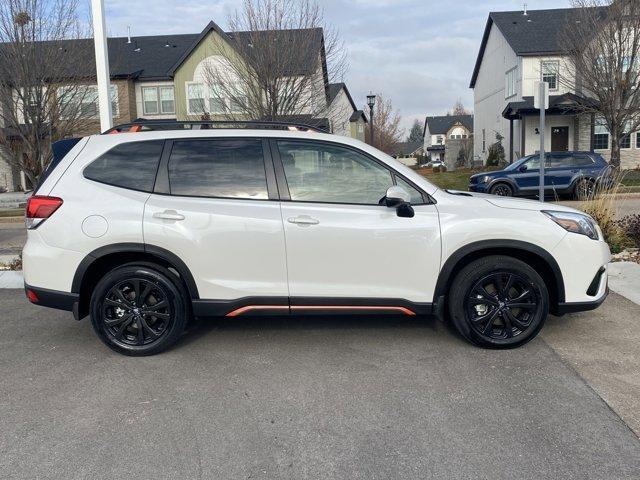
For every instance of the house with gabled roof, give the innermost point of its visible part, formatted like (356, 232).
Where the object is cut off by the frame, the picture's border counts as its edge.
(163, 77)
(439, 130)
(518, 49)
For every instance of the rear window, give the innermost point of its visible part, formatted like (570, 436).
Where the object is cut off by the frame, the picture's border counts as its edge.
(218, 168)
(129, 165)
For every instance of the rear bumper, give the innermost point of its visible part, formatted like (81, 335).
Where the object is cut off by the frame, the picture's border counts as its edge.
(52, 298)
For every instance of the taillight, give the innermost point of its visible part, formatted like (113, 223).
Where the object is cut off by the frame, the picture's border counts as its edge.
(39, 209)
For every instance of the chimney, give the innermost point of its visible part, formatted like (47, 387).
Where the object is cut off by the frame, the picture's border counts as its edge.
(128, 34)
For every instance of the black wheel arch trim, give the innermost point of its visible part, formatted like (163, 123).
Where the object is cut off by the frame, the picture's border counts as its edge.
(508, 181)
(444, 278)
(171, 258)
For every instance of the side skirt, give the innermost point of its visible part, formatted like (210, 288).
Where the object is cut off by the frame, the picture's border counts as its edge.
(251, 306)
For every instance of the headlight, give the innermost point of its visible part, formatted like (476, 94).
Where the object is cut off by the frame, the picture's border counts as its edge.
(575, 223)
(485, 179)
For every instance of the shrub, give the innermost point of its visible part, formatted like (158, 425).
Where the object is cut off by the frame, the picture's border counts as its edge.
(630, 225)
(496, 156)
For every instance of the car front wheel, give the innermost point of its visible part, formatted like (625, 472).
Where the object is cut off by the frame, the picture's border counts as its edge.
(498, 302)
(502, 190)
(139, 309)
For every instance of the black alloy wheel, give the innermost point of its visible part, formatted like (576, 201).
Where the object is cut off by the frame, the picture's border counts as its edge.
(137, 310)
(502, 190)
(585, 189)
(498, 302)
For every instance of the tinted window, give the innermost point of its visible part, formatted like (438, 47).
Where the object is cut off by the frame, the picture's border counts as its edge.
(332, 174)
(557, 161)
(130, 165)
(582, 161)
(218, 168)
(416, 196)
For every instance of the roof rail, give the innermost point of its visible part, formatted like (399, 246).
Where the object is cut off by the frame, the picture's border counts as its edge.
(154, 125)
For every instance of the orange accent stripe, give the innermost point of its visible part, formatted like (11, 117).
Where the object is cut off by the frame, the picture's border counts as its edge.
(249, 308)
(404, 310)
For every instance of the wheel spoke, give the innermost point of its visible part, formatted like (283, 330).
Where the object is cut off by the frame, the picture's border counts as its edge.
(140, 337)
(146, 327)
(486, 330)
(507, 286)
(486, 296)
(136, 290)
(145, 293)
(526, 293)
(157, 306)
(508, 329)
(112, 322)
(163, 316)
(515, 320)
(114, 303)
(123, 326)
(121, 296)
(523, 306)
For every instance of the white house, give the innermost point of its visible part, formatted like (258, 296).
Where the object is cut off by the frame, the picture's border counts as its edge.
(439, 129)
(518, 49)
(344, 117)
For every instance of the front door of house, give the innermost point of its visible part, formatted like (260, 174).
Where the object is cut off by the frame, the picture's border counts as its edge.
(559, 139)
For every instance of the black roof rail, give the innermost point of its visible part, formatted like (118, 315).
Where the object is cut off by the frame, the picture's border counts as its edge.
(144, 125)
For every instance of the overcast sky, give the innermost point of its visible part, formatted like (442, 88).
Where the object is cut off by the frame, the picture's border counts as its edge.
(418, 52)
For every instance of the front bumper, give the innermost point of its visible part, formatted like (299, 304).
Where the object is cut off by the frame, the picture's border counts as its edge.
(479, 187)
(575, 307)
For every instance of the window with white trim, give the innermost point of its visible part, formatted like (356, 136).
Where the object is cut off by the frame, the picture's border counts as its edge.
(550, 73)
(202, 98)
(600, 134)
(82, 101)
(510, 83)
(158, 100)
(625, 140)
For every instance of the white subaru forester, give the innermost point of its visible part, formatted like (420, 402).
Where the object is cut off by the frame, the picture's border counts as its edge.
(149, 227)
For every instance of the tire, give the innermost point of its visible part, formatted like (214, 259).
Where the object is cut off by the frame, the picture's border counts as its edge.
(139, 309)
(482, 307)
(502, 190)
(585, 189)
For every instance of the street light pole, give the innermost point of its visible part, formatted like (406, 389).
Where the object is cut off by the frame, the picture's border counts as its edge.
(102, 64)
(371, 101)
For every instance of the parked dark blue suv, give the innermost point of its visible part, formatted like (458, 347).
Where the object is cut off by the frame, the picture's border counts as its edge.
(573, 173)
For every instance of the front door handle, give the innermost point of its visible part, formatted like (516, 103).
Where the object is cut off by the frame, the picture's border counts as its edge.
(168, 215)
(303, 220)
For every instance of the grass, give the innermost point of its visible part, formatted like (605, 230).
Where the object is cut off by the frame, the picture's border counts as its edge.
(13, 212)
(456, 180)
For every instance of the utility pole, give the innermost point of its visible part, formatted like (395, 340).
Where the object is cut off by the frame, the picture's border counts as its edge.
(102, 64)
(541, 102)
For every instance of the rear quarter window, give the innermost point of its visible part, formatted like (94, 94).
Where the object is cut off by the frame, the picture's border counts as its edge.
(129, 165)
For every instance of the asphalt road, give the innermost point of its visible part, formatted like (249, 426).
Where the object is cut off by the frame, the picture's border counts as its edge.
(299, 398)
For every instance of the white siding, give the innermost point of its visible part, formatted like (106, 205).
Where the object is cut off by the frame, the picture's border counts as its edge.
(489, 94)
(531, 74)
(340, 112)
(532, 141)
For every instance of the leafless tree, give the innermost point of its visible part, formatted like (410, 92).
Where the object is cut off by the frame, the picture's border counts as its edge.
(458, 108)
(275, 68)
(602, 45)
(40, 102)
(386, 126)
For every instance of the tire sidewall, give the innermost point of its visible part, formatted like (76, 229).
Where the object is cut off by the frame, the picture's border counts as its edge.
(504, 185)
(175, 295)
(473, 272)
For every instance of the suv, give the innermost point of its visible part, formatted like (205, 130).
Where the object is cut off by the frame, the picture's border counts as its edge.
(144, 231)
(573, 173)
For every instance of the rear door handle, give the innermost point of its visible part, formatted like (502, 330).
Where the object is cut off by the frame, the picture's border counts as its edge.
(169, 215)
(303, 220)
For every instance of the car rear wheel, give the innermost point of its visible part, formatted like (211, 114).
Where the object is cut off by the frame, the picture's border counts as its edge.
(139, 310)
(502, 190)
(498, 302)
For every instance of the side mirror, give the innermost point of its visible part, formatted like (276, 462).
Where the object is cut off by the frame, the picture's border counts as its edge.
(398, 198)
(523, 168)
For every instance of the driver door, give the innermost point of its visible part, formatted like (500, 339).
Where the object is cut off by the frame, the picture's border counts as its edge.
(343, 247)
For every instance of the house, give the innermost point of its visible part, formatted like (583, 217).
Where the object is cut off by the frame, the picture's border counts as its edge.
(408, 152)
(518, 49)
(443, 131)
(344, 117)
(163, 77)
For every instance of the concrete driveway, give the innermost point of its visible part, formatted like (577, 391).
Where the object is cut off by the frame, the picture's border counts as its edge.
(310, 398)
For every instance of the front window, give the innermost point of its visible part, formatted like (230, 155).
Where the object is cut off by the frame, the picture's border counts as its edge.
(82, 101)
(625, 141)
(550, 74)
(150, 101)
(439, 140)
(600, 134)
(332, 174)
(510, 83)
(195, 98)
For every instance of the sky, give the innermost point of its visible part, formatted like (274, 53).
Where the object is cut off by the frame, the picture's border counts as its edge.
(419, 53)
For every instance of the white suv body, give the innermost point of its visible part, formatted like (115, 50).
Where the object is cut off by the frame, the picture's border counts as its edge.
(306, 235)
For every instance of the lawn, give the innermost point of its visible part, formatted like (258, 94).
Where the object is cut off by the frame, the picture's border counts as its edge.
(457, 180)
(13, 212)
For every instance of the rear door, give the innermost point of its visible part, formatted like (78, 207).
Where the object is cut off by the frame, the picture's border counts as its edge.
(215, 206)
(558, 173)
(343, 247)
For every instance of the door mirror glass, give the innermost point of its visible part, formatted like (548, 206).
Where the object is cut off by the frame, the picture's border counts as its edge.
(396, 196)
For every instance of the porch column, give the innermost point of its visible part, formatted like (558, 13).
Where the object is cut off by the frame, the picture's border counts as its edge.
(523, 135)
(593, 131)
(510, 140)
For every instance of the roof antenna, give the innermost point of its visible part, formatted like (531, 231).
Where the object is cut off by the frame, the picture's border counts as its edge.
(525, 10)
(128, 34)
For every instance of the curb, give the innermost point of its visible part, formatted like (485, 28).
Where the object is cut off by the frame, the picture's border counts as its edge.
(10, 279)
